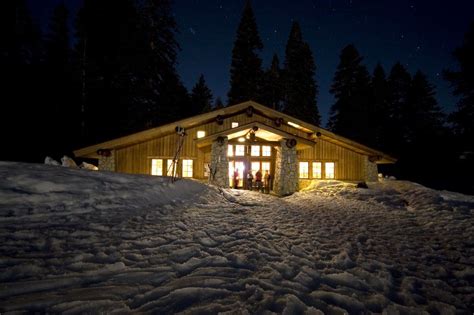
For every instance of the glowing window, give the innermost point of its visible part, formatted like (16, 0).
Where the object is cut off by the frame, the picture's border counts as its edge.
(240, 168)
(157, 167)
(231, 174)
(265, 167)
(266, 150)
(255, 167)
(292, 124)
(239, 150)
(255, 150)
(230, 150)
(304, 168)
(201, 134)
(235, 124)
(317, 170)
(170, 167)
(329, 170)
(187, 168)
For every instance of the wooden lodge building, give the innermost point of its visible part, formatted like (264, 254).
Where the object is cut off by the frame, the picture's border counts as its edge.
(242, 137)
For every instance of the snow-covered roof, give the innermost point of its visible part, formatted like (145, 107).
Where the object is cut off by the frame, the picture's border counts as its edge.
(91, 151)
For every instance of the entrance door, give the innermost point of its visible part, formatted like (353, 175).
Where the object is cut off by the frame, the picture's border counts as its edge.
(260, 165)
(246, 158)
(238, 166)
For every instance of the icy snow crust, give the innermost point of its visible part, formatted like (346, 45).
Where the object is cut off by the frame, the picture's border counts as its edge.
(75, 241)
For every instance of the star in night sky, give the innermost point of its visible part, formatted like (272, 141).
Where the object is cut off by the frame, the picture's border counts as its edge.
(419, 34)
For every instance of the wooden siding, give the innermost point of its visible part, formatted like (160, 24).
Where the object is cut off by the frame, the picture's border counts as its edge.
(349, 165)
(136, 158)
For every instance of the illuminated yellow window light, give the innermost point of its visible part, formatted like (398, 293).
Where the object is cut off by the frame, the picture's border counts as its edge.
(201, 134)
(235, 124)
(317, 170)
(255, 150)
(329, 170)
(169, 167)
(239, 150)
(265, 167)
(255, 167)
(303, 171)
(230, 150)
(231, 173)
(266, 150)
(157, 167)
(187, 168)
(292, 124)
(240, 168)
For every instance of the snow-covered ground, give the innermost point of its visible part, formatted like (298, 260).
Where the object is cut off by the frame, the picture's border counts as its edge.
(74, 241)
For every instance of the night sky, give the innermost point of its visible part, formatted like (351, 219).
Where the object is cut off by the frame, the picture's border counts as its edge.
(420, 34)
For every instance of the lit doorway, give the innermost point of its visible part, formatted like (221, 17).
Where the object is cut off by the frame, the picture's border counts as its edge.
(260, 165)
(245, 158)
(238, 166)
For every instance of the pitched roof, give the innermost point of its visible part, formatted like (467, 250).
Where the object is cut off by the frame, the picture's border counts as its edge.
(91, 151)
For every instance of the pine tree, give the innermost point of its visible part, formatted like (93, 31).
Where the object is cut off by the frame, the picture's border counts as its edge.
(424, 137)
(174, 100)
(399, 82)
(351, 113)
(201, 97)
(300, 87)
(218, 104)
(21, 38)
(379, 102)
(423, 119)
(158, 106)
(272, 89)
(57, 39)
(20, 83)
(105, 48)
(62, 109)
(128, 65)
(463, 83)
(246, 67)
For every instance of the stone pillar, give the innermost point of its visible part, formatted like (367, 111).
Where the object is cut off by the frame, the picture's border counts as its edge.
(370, 170)
(286, 170)
(219, 175)
(107, 163)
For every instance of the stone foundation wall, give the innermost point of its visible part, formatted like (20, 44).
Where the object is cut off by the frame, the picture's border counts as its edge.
(107, 163)
(219, 174)
(371, 171)
(286, 170)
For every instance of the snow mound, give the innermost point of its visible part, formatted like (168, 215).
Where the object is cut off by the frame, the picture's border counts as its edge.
(395, 194)
(68, 162)
(37, 192)
(50, 161)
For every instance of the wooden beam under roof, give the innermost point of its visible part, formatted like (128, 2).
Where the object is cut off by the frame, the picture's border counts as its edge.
(301, 142)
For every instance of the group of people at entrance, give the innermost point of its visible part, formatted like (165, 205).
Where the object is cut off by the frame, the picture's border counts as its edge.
(259, 183)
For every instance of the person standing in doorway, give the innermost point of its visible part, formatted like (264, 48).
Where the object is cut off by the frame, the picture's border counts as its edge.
(258, 180)
(236, 178)
(267, 179)
(249, 180)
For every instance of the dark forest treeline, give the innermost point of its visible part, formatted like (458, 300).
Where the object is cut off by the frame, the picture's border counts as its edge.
(112, 74)
(115, 73)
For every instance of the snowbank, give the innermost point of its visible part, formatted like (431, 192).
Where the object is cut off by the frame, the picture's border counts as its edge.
(38, 191)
